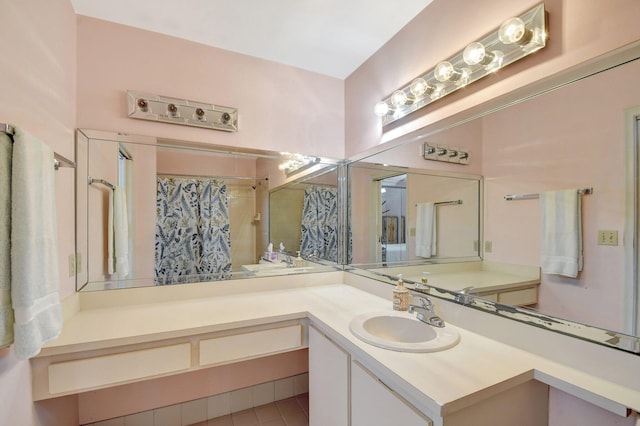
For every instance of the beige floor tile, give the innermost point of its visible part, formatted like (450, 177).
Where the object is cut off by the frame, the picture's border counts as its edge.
(303, 400)
(289, 405)
(297, 418)
(245, 418)
(221, 421)
(267, 412)
(276, 422)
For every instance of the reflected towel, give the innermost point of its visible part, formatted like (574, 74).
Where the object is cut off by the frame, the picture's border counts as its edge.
(426, 230)
(34, 246)
(120, 232)
(561, 232)
(111, 259)
(6, 312)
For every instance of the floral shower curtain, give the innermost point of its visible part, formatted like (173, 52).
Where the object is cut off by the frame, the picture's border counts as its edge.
(320, 223)
(193, 240)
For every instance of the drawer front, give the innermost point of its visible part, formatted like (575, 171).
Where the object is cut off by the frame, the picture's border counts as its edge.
(247, 345)
(118, 368)
(527, 296)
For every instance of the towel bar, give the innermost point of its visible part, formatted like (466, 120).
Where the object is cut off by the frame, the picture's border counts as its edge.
(446, 203)
(108, 184)
(510, 197)
(58, 161)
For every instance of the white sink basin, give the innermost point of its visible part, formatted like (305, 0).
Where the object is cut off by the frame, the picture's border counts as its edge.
(401, 331)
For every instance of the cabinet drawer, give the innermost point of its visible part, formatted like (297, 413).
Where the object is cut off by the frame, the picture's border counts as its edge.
(527, 296)
(241, 346)
(93, 372)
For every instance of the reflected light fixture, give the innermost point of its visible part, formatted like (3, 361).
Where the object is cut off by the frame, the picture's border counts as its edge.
(296, 163)
(516, 38)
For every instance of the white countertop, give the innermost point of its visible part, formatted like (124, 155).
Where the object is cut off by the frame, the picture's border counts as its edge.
(438, 382)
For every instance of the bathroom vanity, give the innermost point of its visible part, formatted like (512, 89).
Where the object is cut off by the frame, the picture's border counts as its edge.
(114, 338)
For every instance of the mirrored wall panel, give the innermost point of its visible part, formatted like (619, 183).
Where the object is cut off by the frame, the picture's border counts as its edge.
(158, 212)
(559, 213)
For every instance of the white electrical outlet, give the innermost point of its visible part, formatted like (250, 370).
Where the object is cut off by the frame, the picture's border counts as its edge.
(607, 238)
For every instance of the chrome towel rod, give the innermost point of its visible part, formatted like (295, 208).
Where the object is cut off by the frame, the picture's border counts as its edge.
(510, 197)
(58, 160)
(446, 203)
(106, 183)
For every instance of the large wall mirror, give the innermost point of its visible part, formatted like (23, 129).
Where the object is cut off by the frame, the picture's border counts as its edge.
(582, 134)
(152, 211)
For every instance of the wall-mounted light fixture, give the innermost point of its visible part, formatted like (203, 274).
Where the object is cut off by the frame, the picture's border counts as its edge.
(516, 38)
(436, 152)
(296, 163)
(181, 111)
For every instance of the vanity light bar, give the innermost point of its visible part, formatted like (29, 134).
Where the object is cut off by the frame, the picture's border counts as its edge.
(145, 106)
(516, 38)
(444, 153)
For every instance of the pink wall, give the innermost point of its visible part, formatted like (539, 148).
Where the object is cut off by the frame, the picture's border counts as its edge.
(281, 108)
(38, 86)
(579, 30)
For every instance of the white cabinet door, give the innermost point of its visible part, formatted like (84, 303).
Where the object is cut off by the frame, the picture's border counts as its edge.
(374, 404)
(328, 382)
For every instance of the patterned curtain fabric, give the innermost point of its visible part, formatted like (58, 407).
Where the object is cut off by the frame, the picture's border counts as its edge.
(320, 223)
(193, 240)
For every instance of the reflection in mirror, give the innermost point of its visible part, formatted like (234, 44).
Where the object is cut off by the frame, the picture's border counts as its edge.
(562, 139)
(304, 216)
(158, 212)
(412, 215)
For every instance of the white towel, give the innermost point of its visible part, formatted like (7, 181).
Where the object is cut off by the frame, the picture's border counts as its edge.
(426, 230)
(34, 246)
(120, 232)
(561, 232)
(6, 312)
(111, 259)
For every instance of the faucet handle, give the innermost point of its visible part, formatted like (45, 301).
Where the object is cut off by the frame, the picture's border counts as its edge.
(426, 302)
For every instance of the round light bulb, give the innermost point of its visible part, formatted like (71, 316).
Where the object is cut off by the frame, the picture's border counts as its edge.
(399, 98)
(474, 53)
(444, 71)
(381, 109)
(513, 30)
(418, 87)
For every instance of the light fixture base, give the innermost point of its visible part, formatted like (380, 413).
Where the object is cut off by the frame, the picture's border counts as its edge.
(146, 106)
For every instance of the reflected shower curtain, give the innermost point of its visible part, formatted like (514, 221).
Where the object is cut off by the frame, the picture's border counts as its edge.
(320, 223)
(193, 240)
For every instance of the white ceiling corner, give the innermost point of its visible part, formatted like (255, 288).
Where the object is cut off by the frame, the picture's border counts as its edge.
(330, 37)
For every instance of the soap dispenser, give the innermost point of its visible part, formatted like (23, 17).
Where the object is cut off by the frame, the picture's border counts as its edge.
(299, 262)
(400, 296)
(424, 281)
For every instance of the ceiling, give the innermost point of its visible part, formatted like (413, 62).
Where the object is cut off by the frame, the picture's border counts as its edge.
(330, 37)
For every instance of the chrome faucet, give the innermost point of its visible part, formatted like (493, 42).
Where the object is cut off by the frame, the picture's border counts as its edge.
(425, 312)
(464, 295)
(288, 260)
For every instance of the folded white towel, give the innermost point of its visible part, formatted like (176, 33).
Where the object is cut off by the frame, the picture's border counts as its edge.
(34, 246)
(6, 312)
(120, 232)
(561, 233)
(426, 230)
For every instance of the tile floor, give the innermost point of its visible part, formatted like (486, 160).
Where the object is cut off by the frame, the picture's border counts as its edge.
(287, 412)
